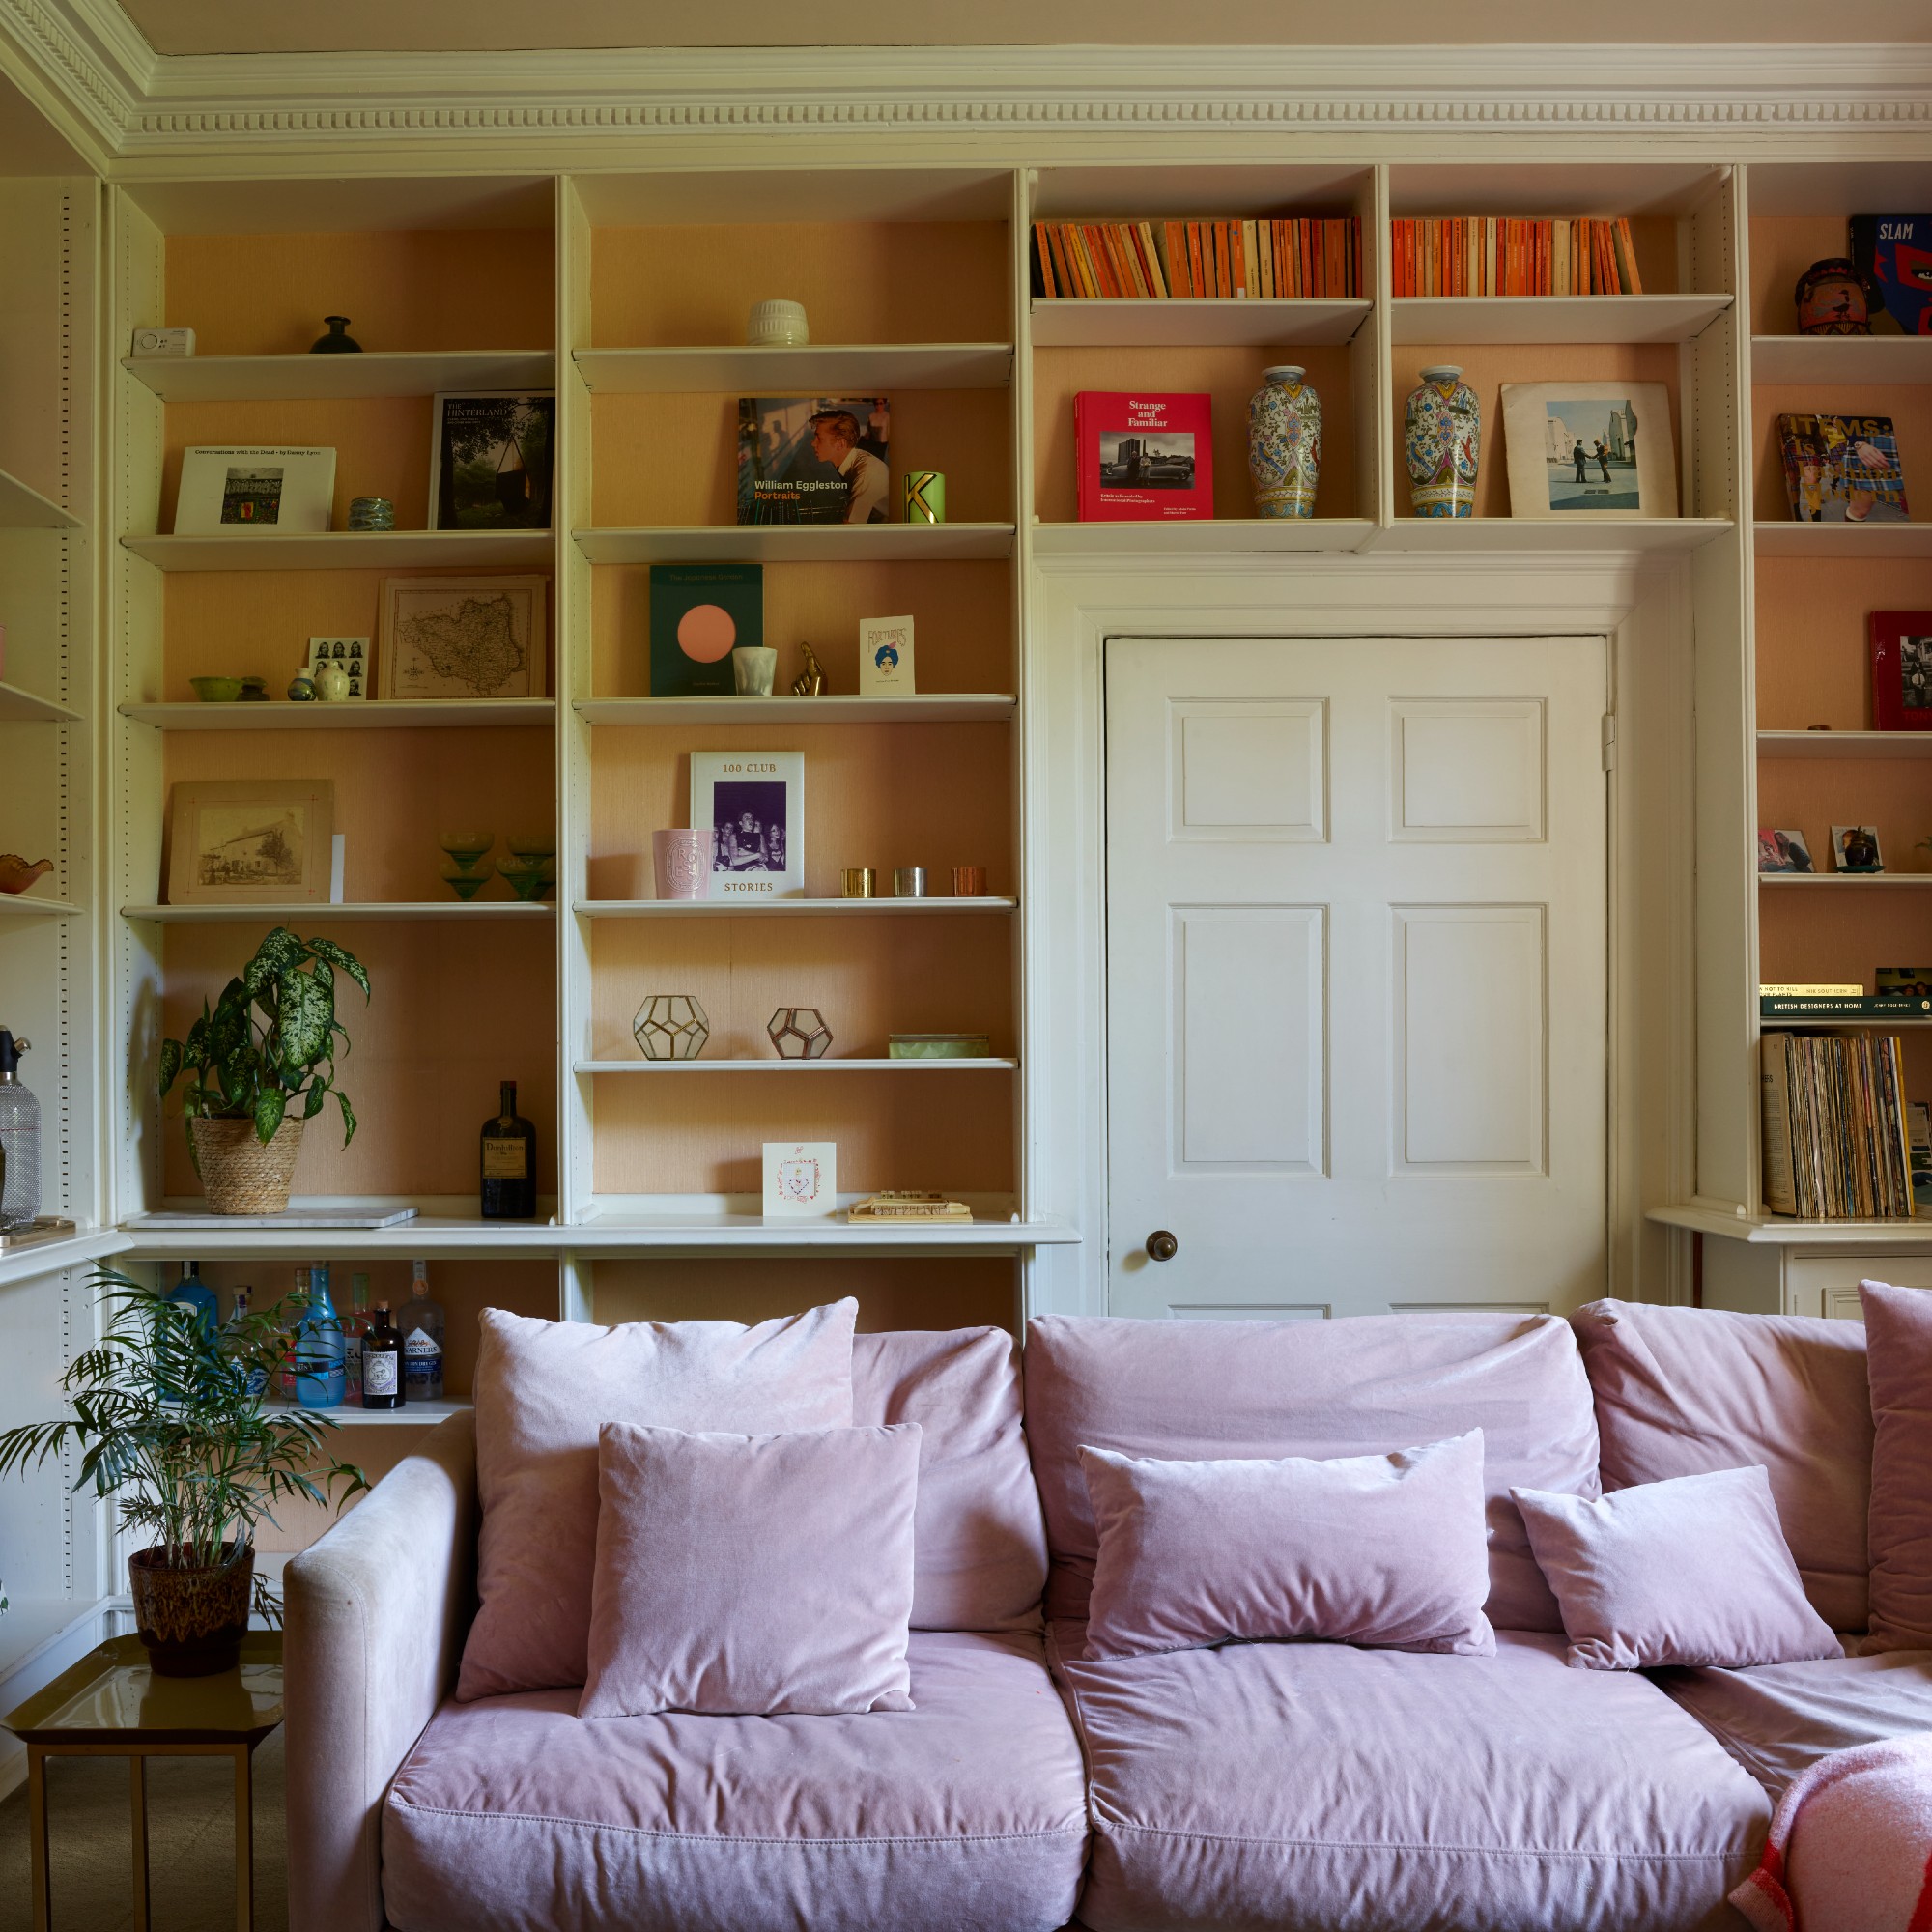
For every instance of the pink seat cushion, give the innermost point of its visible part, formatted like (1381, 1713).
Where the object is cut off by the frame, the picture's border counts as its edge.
(1681, 1391)
(1309, 1787)
(979, 1546)
(1370, 1550)
(543, 1389)
(1688, 1571)
(967, 1812)
(1201, 1391)
(752, 1575)
(1898, 1327)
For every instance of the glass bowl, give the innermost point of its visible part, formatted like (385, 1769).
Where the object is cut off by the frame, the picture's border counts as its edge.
(466, 848)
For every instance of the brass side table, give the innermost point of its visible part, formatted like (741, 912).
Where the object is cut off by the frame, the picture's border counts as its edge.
(112, 1705)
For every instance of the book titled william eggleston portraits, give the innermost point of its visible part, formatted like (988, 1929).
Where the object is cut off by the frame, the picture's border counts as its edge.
(813, 459)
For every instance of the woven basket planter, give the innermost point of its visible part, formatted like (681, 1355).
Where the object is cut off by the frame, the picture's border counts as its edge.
(240, 1175)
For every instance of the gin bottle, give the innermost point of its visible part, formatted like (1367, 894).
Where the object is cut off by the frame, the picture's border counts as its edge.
(318, 1348)
(421, 1325)
(382, 1362)
(20, 1140)
(509, 1163)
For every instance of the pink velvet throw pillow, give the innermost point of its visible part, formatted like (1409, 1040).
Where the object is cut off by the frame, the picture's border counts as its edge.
(752, 1575)
(1385, 1552)
(1694, 1569)
(1898, 1359)
(543, 1389)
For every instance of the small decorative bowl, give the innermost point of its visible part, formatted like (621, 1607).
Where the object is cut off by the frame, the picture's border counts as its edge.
(16, 875)
(466, 848)
(462, 880)
(216, 689)
(529, 882)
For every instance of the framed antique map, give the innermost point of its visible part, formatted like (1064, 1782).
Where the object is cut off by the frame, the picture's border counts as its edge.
(458, 638)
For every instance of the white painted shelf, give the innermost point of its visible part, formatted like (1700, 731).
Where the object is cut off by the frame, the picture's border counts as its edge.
(32, 1260)
(1861, 880)
(788, 908)
(1192, 321)
(1782, 1230)
(817, 368)
(351, 550)
(1840, 540)
(1447, 535)
(352, 1415)
(921, 708)
(372, 714)
(238, 379)
(1841, 358)
(34, 1624)
(798, 543)
(31, 904)
(777, 1066)
(687, 1233)
(1182, 537)
(1514, 318)
(23, 508)
(23, 707)
(428, 1234)
(1844, 744)
(327, 915)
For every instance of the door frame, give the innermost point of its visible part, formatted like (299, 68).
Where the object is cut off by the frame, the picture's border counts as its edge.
(1643, 603)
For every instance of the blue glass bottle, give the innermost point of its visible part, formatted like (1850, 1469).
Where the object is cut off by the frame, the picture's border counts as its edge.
(319, 1347)
(190, 1292)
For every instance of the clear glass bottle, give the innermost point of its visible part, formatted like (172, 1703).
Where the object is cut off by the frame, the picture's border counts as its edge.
(285, 1383)
(355, 1330)
(422, 1326)
(318, 1346)
(20, 1140)
(258, 1378)
(509, 1163)
(382, 1362)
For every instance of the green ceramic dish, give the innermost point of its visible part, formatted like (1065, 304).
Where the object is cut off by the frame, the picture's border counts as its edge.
(216, 689)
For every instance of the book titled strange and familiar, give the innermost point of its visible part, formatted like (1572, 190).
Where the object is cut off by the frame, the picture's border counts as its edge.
(813, 459)
(1142, 458)
(1842, 470)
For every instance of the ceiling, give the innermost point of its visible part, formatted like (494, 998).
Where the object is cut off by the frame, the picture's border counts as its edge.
(385, 26)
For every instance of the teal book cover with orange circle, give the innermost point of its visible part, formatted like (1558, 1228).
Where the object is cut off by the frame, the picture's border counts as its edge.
(700, 614)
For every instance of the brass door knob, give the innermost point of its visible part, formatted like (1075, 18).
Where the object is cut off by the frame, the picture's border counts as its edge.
(1161, 1245)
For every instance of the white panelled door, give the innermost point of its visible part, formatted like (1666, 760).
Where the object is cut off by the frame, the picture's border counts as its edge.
(1357, 993)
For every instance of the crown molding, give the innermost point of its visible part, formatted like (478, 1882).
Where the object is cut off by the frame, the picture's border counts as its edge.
(150, 110)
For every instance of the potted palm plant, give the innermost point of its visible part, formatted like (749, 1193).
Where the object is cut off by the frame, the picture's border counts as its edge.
(169, 1416)
(260, 1065)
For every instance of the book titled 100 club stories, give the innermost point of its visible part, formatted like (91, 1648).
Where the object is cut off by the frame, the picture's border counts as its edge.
(1142, 458)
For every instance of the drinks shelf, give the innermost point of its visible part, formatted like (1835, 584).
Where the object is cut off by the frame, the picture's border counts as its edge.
(283, 915)
(305, 378)
(1841, 358)
(1842, 540)
(1521, 318)
(372, 714)
(352, 1415)
(23, 508)
(30, 905)
(828, 368)
(1198, 321)
(777, 1065)
(351, 549)
(786, 908)
(798, 543)
(23, 707)
(1844, 744)
(921, 708)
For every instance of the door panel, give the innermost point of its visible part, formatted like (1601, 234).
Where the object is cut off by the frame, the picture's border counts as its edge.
(1356, 973)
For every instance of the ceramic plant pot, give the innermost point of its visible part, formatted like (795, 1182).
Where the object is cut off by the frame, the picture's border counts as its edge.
(1442, 436)
(239, 1175)
(191, 1621)
(1284, 443)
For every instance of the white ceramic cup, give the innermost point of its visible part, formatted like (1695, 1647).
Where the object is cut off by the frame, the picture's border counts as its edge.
(754, 667)
(776, 324)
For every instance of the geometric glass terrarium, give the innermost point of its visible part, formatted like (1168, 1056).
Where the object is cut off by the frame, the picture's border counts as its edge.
(799, 1032)
(671, 1026)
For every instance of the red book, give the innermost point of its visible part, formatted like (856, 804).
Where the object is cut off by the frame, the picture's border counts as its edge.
(1180, 281)
(1096, 254)
(1199, 262)
(1144, 459)
(1238, 260)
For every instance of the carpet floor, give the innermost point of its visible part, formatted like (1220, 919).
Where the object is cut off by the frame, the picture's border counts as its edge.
(190, 1845)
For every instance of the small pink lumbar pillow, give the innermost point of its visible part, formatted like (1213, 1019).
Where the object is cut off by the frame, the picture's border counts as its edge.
(752, 1575)
(1386, 1552)
(1692, 1569)
(1898, 1358)
(542, 1390)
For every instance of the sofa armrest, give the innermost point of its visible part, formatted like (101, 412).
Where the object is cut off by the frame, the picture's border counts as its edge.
(375, 1615)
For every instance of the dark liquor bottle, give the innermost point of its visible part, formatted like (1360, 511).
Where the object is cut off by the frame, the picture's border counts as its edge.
(509, 1163)
(382, 1362)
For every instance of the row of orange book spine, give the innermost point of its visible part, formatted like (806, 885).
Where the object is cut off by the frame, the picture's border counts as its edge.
(1265, 258)
(1492, 255)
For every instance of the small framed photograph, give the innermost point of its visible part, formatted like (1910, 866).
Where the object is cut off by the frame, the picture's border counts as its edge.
(885, 657)
(229, 492)
(752, 806)
(802, 1177)
(251, 841)
(1903, 982)
(490, 462)
(1589, 449)
(462, 638)
(1855, 848)
(352, 654)
(1782, 851)
(1901, 670)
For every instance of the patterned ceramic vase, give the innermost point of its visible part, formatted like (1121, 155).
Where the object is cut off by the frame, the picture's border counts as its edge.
(1442, 441)
(1832, 300)
(1284, 443)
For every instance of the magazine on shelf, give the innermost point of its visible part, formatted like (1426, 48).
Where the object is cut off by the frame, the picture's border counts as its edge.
(1841, 469)
(1143, 458)
(813, 459)
(1893, 254)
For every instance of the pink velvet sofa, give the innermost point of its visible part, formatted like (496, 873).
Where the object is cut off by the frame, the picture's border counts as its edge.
(1309, 1787)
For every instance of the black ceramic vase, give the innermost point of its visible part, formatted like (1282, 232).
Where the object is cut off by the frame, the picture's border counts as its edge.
(338, 341)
